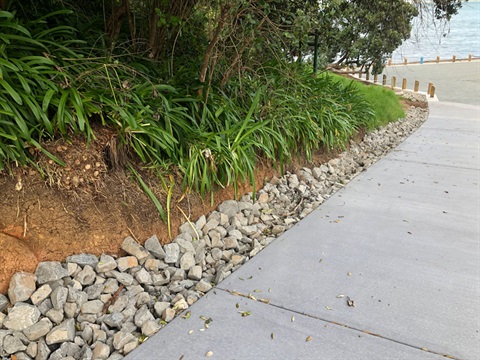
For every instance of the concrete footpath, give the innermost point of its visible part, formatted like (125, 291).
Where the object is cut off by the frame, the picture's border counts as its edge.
(401, 241)
(455, 82)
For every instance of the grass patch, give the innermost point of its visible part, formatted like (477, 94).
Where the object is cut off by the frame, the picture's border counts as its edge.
(385, 103)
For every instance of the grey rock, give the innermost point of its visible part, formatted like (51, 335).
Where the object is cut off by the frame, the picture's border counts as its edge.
(22, 356)
(150, 327)
(210, 225)
(100, 351)
(236, 234)
(59, 297)
(133, 290)
(61, 333)
(229, 208)
(230, 242)
(184, 244)
(249, 230)
(85, 353)
(160, 306)
(21, 316)
(143, 277)
(130, 246)
(114, 320)
(86, 276)
(154, 247)
(70, 349)
(36, 331)
(31, 350)
(119, 305)
(278, 229)
(87, 334)
(130, 346)
(126, 262)
(195, 272)
(41, 294)
(203, 286)
(73, 269)
(123, 278)
(56, 316)
(217, 254)
(110, 286)
(92, 307)
(237, 259)
(3, 302)
(43, 351)
(154, 265)
(142, 315)
(12, 344)
(187, 261)
(168, 315)
(143, 298)
(45, 305)
(83, 259)
(172, 253)
(200, 223)
(22, 286)
(186, 228)
(120, 339)
(48, 271)
(115, 356)
(129, 327)
(105, 264)
(70, 310)
(99, 335)
(94, 291)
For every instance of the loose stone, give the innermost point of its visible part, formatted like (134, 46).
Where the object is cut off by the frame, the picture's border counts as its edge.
(22, 286)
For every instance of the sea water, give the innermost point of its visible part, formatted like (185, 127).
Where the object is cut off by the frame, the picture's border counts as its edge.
(429, 39)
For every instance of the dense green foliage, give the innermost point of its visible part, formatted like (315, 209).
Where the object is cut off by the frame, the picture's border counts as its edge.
(203, 87)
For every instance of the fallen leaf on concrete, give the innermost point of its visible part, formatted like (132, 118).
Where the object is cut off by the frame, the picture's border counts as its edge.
(340, 296)
(328, 308)
(350, 302)
(293, 318)
(209, 353)
(187, 315)
(308, 338)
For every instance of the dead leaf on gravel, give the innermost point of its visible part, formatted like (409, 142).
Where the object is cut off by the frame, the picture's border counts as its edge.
(209, 353)
(328, 308)
(308, 338)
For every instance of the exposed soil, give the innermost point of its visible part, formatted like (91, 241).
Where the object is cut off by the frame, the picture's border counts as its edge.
(90, 205)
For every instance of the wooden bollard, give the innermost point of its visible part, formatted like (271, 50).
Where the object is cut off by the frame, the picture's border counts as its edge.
(367, 76)
(417, 85)
(384, 80)
(438, 59)
(394, 82)
(429, 87)
(389, 62)
(454, 58)
(375, 78)
(359, 74)
(469, 57)
(404, 84)
(405, 61)
(432, 91)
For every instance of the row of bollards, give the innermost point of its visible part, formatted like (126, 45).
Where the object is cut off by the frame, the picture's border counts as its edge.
(437, 60)
(393, 84)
